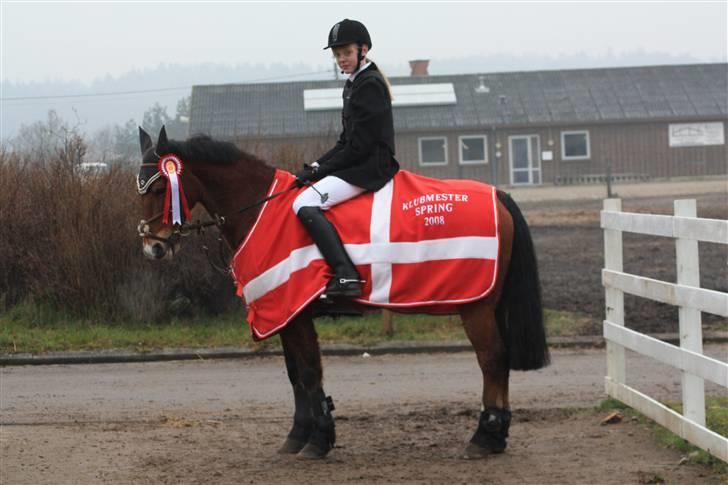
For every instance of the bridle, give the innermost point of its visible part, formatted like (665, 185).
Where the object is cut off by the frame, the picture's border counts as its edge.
(178, 230)
(186, 228)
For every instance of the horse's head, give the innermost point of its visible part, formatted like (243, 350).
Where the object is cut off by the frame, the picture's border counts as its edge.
(168, 190)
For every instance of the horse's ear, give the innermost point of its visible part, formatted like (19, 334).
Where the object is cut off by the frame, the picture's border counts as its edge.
(145, 141)
(162, 141)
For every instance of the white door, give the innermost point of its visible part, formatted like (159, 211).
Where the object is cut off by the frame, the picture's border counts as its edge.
(525, 159)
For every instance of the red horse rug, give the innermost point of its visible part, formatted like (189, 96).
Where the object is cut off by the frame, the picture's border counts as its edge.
(420, 244)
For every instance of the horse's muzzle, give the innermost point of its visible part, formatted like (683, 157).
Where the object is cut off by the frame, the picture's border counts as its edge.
(158, 250)
(155, 250)
(164, 249)
(157, 246)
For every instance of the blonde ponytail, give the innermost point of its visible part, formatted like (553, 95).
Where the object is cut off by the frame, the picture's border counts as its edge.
(386, 79)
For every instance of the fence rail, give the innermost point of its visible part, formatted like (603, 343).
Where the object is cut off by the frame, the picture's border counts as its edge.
(710, 301)
(686, 294)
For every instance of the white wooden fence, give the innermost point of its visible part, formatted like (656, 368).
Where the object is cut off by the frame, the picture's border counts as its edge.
(687, 230)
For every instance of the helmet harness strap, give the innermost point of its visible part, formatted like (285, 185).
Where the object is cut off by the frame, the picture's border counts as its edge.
(359, 58)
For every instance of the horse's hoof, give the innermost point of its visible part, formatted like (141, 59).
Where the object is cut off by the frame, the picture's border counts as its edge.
(312, 452)
(291, 447)
(475, 452)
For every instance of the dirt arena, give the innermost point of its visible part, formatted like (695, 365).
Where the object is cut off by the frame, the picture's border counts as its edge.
(400, 419)
(570, 249)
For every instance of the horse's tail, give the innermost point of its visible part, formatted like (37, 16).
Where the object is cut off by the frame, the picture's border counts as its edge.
(519, 312)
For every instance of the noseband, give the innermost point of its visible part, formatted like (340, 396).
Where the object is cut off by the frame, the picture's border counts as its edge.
(178, 230)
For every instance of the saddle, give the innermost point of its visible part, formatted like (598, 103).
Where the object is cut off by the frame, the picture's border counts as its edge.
(422, 245)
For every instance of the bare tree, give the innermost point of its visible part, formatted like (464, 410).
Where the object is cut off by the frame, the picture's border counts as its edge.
(54, 138)
(183, 108)
(126, 142)
(154, 118)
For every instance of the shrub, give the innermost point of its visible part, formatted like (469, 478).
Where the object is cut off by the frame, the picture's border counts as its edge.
(69, 242)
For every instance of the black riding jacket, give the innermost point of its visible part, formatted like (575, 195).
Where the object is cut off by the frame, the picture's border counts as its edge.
(364, 153)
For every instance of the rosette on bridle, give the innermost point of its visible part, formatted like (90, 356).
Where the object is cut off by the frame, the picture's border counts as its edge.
(170, 166)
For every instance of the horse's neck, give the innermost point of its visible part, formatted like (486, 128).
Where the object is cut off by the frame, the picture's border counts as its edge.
(233, 187)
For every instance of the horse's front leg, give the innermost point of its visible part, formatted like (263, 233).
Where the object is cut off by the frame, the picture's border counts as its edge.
(313, 421)
(302, 416)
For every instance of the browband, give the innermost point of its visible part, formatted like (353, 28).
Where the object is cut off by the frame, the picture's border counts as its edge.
(143, 185)
(148, 173)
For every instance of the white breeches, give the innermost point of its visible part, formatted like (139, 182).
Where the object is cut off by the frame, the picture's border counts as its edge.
(338, 191)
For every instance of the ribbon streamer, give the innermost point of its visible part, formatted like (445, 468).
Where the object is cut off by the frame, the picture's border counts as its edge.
(174, 198)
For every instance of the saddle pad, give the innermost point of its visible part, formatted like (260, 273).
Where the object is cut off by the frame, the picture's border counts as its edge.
(420, 244)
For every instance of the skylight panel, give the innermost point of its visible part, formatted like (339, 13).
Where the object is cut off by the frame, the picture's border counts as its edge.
(438, 94)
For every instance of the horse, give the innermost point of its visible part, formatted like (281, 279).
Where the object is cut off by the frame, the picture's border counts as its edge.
(505, 327)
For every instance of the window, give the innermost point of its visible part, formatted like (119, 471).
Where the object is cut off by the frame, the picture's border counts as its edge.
(433, 151)
(575, 145)
(473, 149)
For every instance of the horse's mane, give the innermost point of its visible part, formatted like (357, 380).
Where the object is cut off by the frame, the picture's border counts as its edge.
(203, 149)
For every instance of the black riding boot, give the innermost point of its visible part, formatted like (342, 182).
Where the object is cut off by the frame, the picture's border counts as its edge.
(346, 280)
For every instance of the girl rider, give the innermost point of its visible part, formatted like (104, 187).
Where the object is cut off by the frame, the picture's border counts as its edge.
(362, 159)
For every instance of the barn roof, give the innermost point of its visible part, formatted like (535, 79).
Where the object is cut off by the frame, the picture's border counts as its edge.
(580, 96)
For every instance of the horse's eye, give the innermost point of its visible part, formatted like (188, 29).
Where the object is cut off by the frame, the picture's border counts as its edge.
(158, 189)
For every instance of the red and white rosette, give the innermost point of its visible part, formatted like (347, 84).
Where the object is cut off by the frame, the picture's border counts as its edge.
(170, 166)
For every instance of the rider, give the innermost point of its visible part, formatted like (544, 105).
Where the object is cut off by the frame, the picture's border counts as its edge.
(362, 159)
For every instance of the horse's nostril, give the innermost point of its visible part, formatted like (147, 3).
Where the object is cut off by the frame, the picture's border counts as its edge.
(158, 250)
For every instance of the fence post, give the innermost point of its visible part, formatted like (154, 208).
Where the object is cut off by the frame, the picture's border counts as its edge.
(387, 323)
(691, 331)
(609, 180)
(614, 298)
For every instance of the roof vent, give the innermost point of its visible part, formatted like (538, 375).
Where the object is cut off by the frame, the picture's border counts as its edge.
(419, 67)
(482, 88)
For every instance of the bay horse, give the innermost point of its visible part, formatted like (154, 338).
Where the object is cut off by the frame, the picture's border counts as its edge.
(505, 328)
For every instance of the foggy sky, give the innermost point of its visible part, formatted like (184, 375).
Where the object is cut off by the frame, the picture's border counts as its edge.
(86, 41)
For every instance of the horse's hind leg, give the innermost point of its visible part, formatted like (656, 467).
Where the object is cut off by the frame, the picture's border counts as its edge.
(313, 432)
(482, 330)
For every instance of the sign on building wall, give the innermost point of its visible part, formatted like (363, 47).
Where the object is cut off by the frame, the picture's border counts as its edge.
(697, 134)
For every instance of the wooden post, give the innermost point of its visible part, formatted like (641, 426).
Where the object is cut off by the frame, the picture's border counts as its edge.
(691, 331)
(614, 298)
(609, 180)
(387, 323)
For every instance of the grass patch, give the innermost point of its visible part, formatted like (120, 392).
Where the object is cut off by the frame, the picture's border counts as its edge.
(368, 330)
(59, 332)
(565, 324)
(74, 335)
(613, 405)
(716, 419)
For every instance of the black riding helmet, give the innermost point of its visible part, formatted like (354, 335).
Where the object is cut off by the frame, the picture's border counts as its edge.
(348, 32)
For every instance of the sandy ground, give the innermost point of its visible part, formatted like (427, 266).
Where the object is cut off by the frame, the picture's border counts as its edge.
(400, 419)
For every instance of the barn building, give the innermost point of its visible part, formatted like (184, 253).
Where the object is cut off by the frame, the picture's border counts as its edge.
(511, 128)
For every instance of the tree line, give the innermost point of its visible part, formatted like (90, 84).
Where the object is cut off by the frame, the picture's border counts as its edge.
(113, 144)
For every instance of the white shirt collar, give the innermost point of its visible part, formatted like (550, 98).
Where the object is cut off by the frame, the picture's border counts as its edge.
(353, 75)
